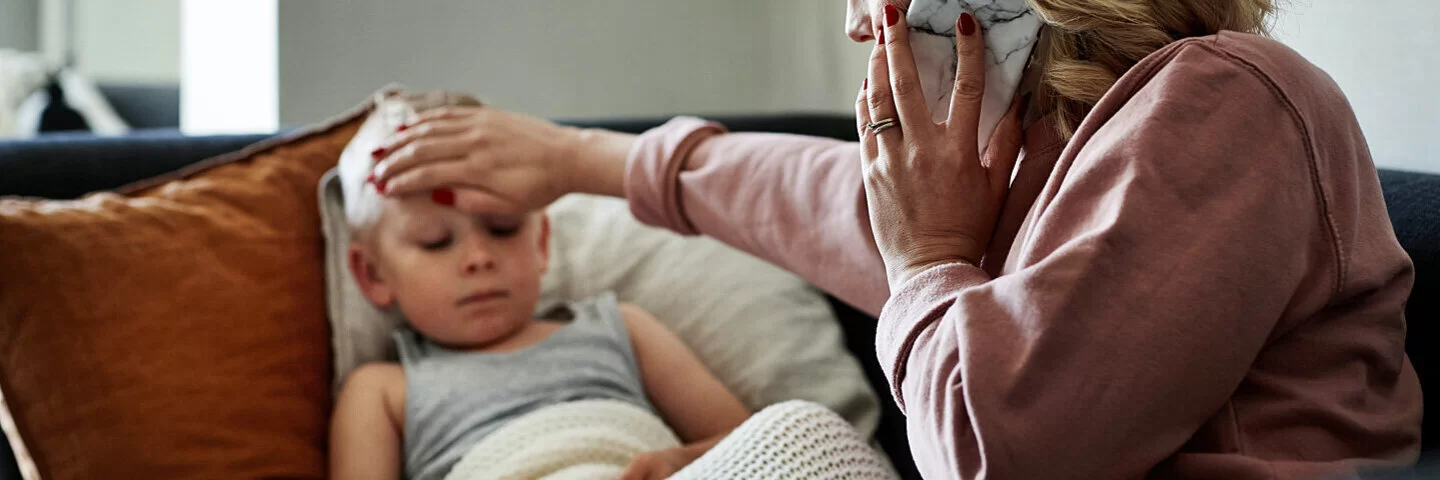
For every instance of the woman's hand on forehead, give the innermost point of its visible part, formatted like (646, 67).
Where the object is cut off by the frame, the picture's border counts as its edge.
(478, 159)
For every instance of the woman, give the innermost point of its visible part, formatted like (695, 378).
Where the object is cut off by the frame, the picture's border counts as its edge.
(1191, 274)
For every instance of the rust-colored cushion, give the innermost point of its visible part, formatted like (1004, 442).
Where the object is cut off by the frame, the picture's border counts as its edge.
(176, 329)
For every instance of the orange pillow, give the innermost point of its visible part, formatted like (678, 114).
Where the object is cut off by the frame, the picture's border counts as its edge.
(175, 329)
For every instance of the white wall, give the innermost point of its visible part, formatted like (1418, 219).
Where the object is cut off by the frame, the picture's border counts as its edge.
(229, 81)
(814, 65)
(568, 59)
(1385, 54)
(553, 58)
(18, 19)
(562, 58)
(130, 41)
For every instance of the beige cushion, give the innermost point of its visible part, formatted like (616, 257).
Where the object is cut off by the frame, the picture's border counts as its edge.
(765, 333)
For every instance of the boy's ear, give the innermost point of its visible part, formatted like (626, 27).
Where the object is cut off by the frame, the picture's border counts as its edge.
(367, 276)
(544, 242)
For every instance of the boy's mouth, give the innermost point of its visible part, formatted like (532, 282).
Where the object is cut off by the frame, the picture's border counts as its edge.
(482, 297)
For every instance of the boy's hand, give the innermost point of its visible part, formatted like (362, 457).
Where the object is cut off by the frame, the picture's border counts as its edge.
(658, 465)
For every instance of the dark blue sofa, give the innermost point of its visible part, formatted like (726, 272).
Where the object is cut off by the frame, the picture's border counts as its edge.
(67, 166)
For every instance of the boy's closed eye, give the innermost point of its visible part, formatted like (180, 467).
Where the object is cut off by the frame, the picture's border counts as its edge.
(438, 244)
(501, 226)
(498, 229)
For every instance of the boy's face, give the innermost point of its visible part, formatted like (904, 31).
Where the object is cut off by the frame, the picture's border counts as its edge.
(462, 280)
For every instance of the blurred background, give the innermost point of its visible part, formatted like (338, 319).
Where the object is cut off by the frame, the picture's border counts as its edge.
(211, 66)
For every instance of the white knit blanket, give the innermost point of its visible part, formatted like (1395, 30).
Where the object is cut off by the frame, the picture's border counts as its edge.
(589, 439)
(595, 439)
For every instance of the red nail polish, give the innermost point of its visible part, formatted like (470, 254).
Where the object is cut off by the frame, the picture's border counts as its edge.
(880, 36)
(401, 128)
(377, 153)
(865, 84)
(443, 196)
(967, 24)
(892, 15)
(380, 186)
(370, 178)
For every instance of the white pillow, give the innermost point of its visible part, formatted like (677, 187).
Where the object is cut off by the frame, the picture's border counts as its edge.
(766, 334)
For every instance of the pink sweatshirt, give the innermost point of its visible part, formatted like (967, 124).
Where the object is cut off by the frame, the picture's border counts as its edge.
(1203, 283)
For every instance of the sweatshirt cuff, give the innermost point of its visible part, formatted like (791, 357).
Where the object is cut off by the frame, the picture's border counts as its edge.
(912, 309)
(652, 171)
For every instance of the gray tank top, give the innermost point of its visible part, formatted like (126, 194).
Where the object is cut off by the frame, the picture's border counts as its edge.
(455, 398)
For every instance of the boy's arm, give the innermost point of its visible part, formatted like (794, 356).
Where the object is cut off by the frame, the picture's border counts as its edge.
(688, 396)
(365, 433)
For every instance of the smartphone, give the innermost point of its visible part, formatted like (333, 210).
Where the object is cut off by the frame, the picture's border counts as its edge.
(1011, 29)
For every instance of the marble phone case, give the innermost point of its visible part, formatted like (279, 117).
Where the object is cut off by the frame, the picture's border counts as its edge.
(1011, 30)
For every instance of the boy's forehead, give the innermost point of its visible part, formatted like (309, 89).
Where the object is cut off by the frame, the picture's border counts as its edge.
(402, 212)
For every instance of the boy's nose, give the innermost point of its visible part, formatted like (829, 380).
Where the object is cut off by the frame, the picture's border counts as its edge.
(479, 259)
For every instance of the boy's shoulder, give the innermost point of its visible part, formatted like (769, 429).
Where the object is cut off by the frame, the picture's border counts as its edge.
(639, 322)
(372, 370)
(631, 313)
(374, 376)
(385, 380)
(630, 310)
(604, 304)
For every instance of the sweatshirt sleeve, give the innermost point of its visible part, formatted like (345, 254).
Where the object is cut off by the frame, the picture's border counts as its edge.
(795, 201)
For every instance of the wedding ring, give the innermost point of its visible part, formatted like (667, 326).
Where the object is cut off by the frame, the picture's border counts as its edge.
(881, 125)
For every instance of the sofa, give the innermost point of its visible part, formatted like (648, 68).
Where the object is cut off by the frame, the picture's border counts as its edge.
(64, 166)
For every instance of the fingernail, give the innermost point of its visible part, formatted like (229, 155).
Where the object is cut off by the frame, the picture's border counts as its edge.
(401, 128)
(865, 84)
(880, 36)
(443, 196)
(967, 24)
(892, 15)
(370, 178)
(380, 186)
(377, 153)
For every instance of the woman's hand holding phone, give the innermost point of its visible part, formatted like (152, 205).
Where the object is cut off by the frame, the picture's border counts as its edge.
(932, 198)
(1010, 29)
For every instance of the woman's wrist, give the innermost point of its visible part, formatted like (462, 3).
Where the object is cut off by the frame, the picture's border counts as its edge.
(599, 158)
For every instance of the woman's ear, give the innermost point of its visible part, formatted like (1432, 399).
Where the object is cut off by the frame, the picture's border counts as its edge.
(368, 277)
(544, 241)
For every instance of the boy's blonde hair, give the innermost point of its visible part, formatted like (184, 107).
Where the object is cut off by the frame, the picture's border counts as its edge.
(1094, 42)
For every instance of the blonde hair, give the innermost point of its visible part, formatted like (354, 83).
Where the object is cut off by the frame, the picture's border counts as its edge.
(1094, 42)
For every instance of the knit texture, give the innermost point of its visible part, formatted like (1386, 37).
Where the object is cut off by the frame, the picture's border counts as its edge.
(791, 440)
(595, 439)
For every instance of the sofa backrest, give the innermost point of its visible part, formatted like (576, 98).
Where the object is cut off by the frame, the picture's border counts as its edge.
(1414, 203)
(68, 166)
